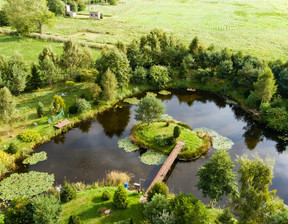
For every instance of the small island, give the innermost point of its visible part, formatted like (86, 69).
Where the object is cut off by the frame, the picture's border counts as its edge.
(160, 133)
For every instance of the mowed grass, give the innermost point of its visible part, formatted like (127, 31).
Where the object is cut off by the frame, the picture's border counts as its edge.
(256, 27)
(30, 48)
(89, 202)
(144, 135)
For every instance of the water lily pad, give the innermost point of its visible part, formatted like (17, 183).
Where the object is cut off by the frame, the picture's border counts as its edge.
(218, 141)
(164, 92)
(35, 158)
(151, 94)
(153, 158)
(132, 100)
(127, 145)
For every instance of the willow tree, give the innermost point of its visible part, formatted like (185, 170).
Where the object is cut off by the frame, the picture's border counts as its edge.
(7, 107)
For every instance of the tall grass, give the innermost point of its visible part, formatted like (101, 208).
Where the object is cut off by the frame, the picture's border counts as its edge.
(114, 177)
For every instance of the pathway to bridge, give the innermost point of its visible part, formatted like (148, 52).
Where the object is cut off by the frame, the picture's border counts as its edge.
(166, 166)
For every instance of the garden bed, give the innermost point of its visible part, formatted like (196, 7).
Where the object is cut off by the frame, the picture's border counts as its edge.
(158, 136)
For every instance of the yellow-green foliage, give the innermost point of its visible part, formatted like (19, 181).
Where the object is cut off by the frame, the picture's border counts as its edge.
(7, 163)
(29, 136)
(115, 177)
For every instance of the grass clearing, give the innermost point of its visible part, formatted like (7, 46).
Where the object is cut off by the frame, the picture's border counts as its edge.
(89, 202)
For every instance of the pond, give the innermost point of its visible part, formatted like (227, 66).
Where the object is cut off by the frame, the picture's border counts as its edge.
(89, 150)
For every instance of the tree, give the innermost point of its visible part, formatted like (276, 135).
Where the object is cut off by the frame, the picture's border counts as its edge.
(48, 70)
(19, 79)
(159, 76)
(176, 132)
(7, 107)
(56, 6)
(149, 109)
(278, 218)
(186, 208)
(194, 46)
(40, 109)
(117, 62)
(58, 104)
(225, 217)
(254, 203)
(68, 193)
(139, 75)
(48, 52)
(154, 209)
(265, 86)
(20, 211)
(216, 177)
(28, 15)
(120, 199)
(47, 209)
(34, 80)
(157, 188)
(277, 118)
(283, 83)
(109, 86)
(225, 69)
(83, 105)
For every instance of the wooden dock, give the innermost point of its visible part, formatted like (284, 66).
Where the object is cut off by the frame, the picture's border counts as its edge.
(62, 124)
(166, 166)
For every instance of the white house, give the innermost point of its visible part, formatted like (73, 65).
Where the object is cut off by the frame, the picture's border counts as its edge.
(95, 14)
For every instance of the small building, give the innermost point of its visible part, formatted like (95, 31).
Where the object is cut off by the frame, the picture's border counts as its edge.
(95, 14)
(69, 13)
(72, 14)
(67, 8)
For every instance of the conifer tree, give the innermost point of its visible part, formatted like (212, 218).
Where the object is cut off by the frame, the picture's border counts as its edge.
(109, 86)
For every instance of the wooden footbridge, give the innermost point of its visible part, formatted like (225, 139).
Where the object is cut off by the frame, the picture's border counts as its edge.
(166, 166)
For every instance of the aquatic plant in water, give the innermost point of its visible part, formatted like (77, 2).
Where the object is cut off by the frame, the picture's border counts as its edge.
(151, 94)
(127, 145)
(25, 185)
(35, 158)
(164, 92)
(153, 158)
(218, 141)
(132, 100)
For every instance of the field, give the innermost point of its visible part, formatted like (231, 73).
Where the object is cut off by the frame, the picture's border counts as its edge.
(256, 27)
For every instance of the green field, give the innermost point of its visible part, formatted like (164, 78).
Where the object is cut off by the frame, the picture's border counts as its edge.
(256, 27)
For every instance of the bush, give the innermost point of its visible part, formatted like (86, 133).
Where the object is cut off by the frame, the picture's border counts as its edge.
(12, 149)
(68, 193)
(252, 100)
(277, 119)
(156, 207)
(70, 83)
(113, 2)
(58, 104)
(186, 208)
(139, 75)
(47, 209)
(158, 188)
(176, 132)
(19, 211)
(115, 177)
(225, 217)
(56, 6)
(40, 109)
(74, 219)
(159, 76)
(106, 196)
(164, 140)
(81, 6)
(83, 105)
(264, 107)
(29, 136)
(3, 18)
(278, 218)
(73, 109)
(101, 15)
(120, 199)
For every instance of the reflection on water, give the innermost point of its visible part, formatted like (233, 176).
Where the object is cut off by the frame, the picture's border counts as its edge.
(89, 150)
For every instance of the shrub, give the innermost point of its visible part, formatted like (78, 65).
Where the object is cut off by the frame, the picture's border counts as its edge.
(106, 196)
(12, 149)
(68, 193)
(120, 199)
(225, 217)
(115, 177)
(278, 218)
(186, 208)
(40, 109)
(159, 76)
(56, 6)
(158, 188)
(81, 6)
(74, 219)
(252, 100)
(164, 140)
(277, 119)
(4, 21)
(139, 75)
(156, 207)
(264, 107)
(101, 15)
(83, 105)
(58, 104)
(19, 211)
(73, 109)
(113, 2)
(176, 132)
(47, 209)
(29, 136)
(70, 83)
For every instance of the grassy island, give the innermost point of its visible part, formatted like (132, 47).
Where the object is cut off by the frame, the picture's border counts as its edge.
(159, 136)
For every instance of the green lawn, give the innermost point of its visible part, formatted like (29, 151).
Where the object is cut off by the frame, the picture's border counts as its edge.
(89, 202)
(256, 27)
(144, 135)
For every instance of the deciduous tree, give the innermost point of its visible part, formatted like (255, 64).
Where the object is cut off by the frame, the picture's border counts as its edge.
(109, 86)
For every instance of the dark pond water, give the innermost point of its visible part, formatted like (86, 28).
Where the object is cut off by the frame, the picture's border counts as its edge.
(88, 151)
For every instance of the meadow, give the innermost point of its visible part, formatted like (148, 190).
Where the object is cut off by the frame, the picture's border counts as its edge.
(256, 27)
